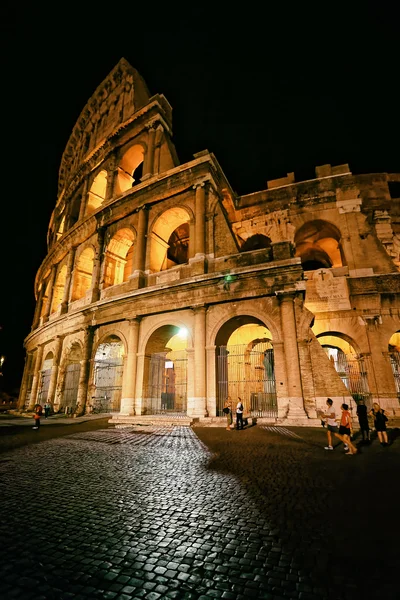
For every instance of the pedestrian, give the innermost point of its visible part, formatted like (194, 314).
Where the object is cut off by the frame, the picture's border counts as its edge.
(380, 420)
(239, 414)
(37, 415)
(46, 409)
(346, 430)
(228, 412)
(330, 419)
(362, 414)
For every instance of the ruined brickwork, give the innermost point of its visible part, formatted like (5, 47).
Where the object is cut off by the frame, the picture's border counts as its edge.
(163, 291)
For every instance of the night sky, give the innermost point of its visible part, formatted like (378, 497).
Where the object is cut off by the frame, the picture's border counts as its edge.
(268, 90)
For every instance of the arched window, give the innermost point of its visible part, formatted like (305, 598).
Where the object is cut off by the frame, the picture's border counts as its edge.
(130, 169)
(318, 245)
(170, 240)
(256, 242)
(83, 274)
(118, 258)
(97, 192)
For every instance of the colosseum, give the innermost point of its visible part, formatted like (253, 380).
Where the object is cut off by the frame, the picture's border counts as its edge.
(163, 291)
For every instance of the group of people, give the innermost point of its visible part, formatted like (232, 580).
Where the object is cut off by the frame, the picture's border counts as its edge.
(228, 407)
(38, 413)
(345, 430)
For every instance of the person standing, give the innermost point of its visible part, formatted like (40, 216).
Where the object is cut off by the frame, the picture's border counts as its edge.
(331, 426)
(228, 412)
(362, 415)
(46, 409)
(37, 415)
(380, 420)
(239, 414)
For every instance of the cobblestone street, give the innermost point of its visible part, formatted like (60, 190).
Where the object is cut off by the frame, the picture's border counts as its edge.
(199, 513)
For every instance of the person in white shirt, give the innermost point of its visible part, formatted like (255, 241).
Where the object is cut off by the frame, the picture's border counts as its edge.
(331, 425)
(239, 414)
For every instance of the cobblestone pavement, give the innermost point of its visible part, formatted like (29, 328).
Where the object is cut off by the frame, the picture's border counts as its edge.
(205, 513)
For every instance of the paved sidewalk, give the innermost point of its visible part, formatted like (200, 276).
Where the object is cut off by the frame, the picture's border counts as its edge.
(10, 420)
(174, 512)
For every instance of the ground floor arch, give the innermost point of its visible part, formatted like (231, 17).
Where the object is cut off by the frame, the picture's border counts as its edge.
(45, 377)
(70, 384)
(245, 366)
(165, 371)
(107, 376)
(394, 356)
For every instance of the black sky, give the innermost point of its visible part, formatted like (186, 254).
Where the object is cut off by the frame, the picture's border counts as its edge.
(270, 90)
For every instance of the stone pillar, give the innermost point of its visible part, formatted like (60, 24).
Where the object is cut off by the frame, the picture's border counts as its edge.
(68, 280)
(38, 308)
(54, 370)
(36, 376)
(211, 406)
(378, 367)
(157, 151)
(129, 377)
(199, 398)
(24, 383)
(288, 323)
(139, 257)
(82, 208)
(84, 371)
(200, 220)
(139, 404)
(148, 166)
(97, 264)
(280, 379)
(190, 381)
(51, 291)
(111, 174)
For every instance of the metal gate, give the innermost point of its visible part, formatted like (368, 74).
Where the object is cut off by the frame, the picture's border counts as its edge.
(71, 384)
(353, 371)
(248, 372)
(395, 363)
(108, 385)
(165, 386)
(44, 386)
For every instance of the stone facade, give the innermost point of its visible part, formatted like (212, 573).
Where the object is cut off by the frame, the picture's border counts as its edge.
(163, 291)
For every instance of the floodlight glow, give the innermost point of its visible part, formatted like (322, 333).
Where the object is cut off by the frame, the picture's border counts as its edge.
(183, 332)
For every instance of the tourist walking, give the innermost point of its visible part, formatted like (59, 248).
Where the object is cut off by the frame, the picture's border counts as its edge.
(362, 414)
(38, 413)
(239, 414)
(330, 419)
(346, 430)
(380, 420)
(228, 412)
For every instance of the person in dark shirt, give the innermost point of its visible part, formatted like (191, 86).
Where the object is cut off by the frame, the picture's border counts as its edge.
(362, 414)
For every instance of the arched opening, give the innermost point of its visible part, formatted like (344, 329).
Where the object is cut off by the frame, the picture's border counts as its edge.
(45, 298)
(318, 245)
(59, 286)
(97, 192)
(394, 354)
(256, 242)
(61, 227)
(74, 210)
(71, 380)
(169, 240)
(130, 169)
(350, 366)
(118, 258)
(45, 376)
(165, 371)
(83, 274)
(245, 366)
(107, 376)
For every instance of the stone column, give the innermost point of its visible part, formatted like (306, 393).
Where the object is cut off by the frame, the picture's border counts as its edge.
(36, 376)
(190, 381)
(68, 280)
(288, 323)
(199, 400)
(54, 369)
(82, 207)
(378, 367)
(84, 371)
(129, 377)
(200, 220)
(139, 257)
(148, 166)
(38, 308)
(51, 291)
(211, 406)
(157, 151)
(111, 174)
(24, 383)
(97, 264)
(139, 407)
